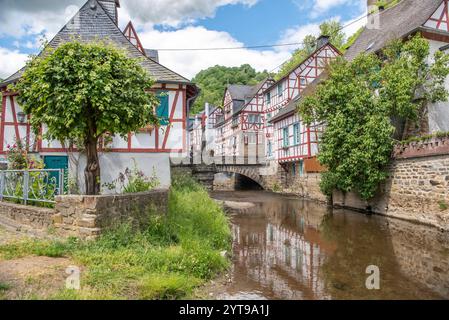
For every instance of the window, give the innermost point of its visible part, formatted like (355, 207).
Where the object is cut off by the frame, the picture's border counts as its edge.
(235, 122)
(162, 109)
(270, 149)
(303, 81)
(268, 98)
(286, 142)
(294, 169)
(296, 134)
(301, 167)
(280, 89)
(254, 118)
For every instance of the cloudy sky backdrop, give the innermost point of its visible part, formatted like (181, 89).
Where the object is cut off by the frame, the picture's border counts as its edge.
(183, 24)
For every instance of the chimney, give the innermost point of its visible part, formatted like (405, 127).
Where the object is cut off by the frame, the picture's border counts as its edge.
(110, 6)
(322, 41)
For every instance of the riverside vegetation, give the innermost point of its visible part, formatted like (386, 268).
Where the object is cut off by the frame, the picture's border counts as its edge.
(167, 260)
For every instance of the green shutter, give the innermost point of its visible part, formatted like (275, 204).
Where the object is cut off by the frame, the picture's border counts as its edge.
(296, 134)
(162, 109)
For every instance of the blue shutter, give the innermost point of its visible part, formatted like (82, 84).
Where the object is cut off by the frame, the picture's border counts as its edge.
(162, 109)
(296, 134)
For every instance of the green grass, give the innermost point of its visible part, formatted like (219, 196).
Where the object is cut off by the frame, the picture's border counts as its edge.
(443, 205)
(169, 259)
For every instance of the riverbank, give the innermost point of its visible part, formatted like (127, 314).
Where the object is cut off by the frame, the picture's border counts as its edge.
(291, 248)
(169, 260)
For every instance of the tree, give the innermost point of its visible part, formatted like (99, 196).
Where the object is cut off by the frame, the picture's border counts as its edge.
(82, 91)
(331, 28)
(214, 80)
(357, 103)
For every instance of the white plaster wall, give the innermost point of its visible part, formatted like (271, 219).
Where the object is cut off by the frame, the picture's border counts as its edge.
(113, 163)
(438, 112)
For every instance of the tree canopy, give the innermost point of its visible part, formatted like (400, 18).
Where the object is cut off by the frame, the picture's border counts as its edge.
(214, 80)
(330, 28)
(82, 91)
(357, 104)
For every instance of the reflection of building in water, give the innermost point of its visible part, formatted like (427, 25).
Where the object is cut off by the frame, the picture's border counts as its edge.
(289, 249)
(284, 257)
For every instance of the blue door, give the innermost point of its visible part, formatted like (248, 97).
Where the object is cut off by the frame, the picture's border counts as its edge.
(57, 162)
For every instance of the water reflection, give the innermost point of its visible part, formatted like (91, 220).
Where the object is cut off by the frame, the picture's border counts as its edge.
(285, 248)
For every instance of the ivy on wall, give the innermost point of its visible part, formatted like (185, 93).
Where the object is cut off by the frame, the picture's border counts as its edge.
(358, 101)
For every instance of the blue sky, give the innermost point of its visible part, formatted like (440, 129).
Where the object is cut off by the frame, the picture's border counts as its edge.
(183, 24)
(265, 22)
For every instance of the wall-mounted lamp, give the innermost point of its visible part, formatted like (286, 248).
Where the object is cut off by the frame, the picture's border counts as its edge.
(21, 117)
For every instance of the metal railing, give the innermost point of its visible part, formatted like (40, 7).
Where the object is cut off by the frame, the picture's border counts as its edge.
(31, 185)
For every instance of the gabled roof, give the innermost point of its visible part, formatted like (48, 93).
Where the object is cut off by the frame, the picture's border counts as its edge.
(243, 94)
(396, 22)
(93, 23)
(240, 92)
(322, 42)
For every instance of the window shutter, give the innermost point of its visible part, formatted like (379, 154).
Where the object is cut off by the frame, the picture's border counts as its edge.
(163, 109)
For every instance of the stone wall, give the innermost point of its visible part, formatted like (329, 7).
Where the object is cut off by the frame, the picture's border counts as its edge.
(17, 215)
(87, 217)
(306, 186)
(417, 190)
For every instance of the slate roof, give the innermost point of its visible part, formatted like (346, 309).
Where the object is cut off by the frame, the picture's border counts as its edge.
(289, 109)
(240, 92)
(243, 94)
(92, 22)
(396, 22)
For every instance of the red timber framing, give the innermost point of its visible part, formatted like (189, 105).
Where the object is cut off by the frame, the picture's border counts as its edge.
(9, 119)
(131, 34)
(177, 117)
(440, 18)
(239, 126)
(282, 92)
(305, 148)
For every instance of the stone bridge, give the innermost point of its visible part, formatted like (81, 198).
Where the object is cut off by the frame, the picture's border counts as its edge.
(259, 173)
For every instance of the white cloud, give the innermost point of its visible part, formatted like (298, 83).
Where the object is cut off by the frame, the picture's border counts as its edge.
(174, 13)
(298, 33)
(10, 61)
(25, 17)
(21, 17)
(189, 63)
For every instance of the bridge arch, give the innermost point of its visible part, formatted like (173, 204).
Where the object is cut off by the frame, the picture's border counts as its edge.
(251, 173)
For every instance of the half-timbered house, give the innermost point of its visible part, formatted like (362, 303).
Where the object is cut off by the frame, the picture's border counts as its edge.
(150, 147)
(290, 142)
(240, 127)
(430, 18)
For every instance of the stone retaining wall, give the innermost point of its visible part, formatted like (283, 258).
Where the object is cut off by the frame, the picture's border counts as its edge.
(87, 217)
(417, 190)
(306, 186)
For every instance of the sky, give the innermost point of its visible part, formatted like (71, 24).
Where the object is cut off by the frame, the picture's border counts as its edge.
(180, 24)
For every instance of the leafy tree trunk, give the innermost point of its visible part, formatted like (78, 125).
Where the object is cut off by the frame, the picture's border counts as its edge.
(92, 171)
(420, 126)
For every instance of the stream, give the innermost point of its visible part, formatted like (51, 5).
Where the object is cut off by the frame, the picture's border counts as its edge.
(289, 248)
